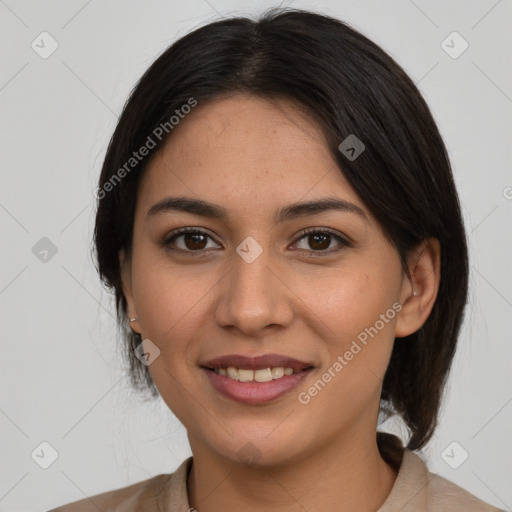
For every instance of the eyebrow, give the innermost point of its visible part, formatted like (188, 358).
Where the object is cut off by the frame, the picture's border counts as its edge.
(291, 211)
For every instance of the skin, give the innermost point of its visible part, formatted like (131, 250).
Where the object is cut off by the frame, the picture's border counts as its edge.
(253, 156)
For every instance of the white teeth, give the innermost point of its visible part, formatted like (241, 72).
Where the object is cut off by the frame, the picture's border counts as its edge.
(261, 375)
(232, 373)
(245, 375)
(277, 373)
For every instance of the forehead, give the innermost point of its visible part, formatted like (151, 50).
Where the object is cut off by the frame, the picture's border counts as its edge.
(244, 150)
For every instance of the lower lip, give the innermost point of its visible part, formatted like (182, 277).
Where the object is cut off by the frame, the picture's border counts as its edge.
(255, 392)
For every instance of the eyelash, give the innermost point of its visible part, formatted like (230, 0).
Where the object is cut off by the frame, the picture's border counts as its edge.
(310, 231)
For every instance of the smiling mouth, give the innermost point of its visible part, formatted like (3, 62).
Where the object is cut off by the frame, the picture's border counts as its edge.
(255, 379)
(256, 387)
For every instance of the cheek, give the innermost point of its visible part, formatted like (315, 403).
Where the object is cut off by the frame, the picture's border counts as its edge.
(356, 310)
(347, 301)
(169, 303)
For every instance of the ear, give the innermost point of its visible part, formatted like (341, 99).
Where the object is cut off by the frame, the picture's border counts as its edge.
(418, 297)
(125, 264)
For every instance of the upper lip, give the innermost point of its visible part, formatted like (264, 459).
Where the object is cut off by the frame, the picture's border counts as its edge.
(256, 362)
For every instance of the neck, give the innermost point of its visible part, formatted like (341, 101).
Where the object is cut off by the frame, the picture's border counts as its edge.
(336, 477)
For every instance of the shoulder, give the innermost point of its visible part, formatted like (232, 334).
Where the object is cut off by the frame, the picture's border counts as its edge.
(445, 495)
(431, 492)
(151, 495)
(124, 499)
(416, 489)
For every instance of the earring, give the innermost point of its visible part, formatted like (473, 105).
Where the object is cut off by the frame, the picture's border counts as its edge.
(132, 320)
(415, 293)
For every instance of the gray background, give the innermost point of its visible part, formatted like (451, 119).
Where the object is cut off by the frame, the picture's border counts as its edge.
(62, 378)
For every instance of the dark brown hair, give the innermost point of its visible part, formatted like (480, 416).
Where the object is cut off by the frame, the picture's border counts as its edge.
(349, 85)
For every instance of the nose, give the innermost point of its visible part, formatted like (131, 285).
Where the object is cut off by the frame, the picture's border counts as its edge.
(254, 297)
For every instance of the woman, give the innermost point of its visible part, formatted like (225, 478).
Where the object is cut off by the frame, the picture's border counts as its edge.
(278, 220)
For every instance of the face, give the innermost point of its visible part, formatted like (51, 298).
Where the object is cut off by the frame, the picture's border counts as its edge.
(251, 282)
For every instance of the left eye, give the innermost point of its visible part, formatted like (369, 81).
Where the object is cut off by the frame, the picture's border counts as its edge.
(320, 240)
(195, 240)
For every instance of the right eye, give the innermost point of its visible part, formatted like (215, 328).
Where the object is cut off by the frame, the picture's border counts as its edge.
(193, 240)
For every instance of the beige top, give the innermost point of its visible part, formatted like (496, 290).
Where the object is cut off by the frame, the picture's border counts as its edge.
(416, 489)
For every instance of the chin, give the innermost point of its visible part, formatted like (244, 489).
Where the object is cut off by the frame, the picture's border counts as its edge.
(259, 451)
